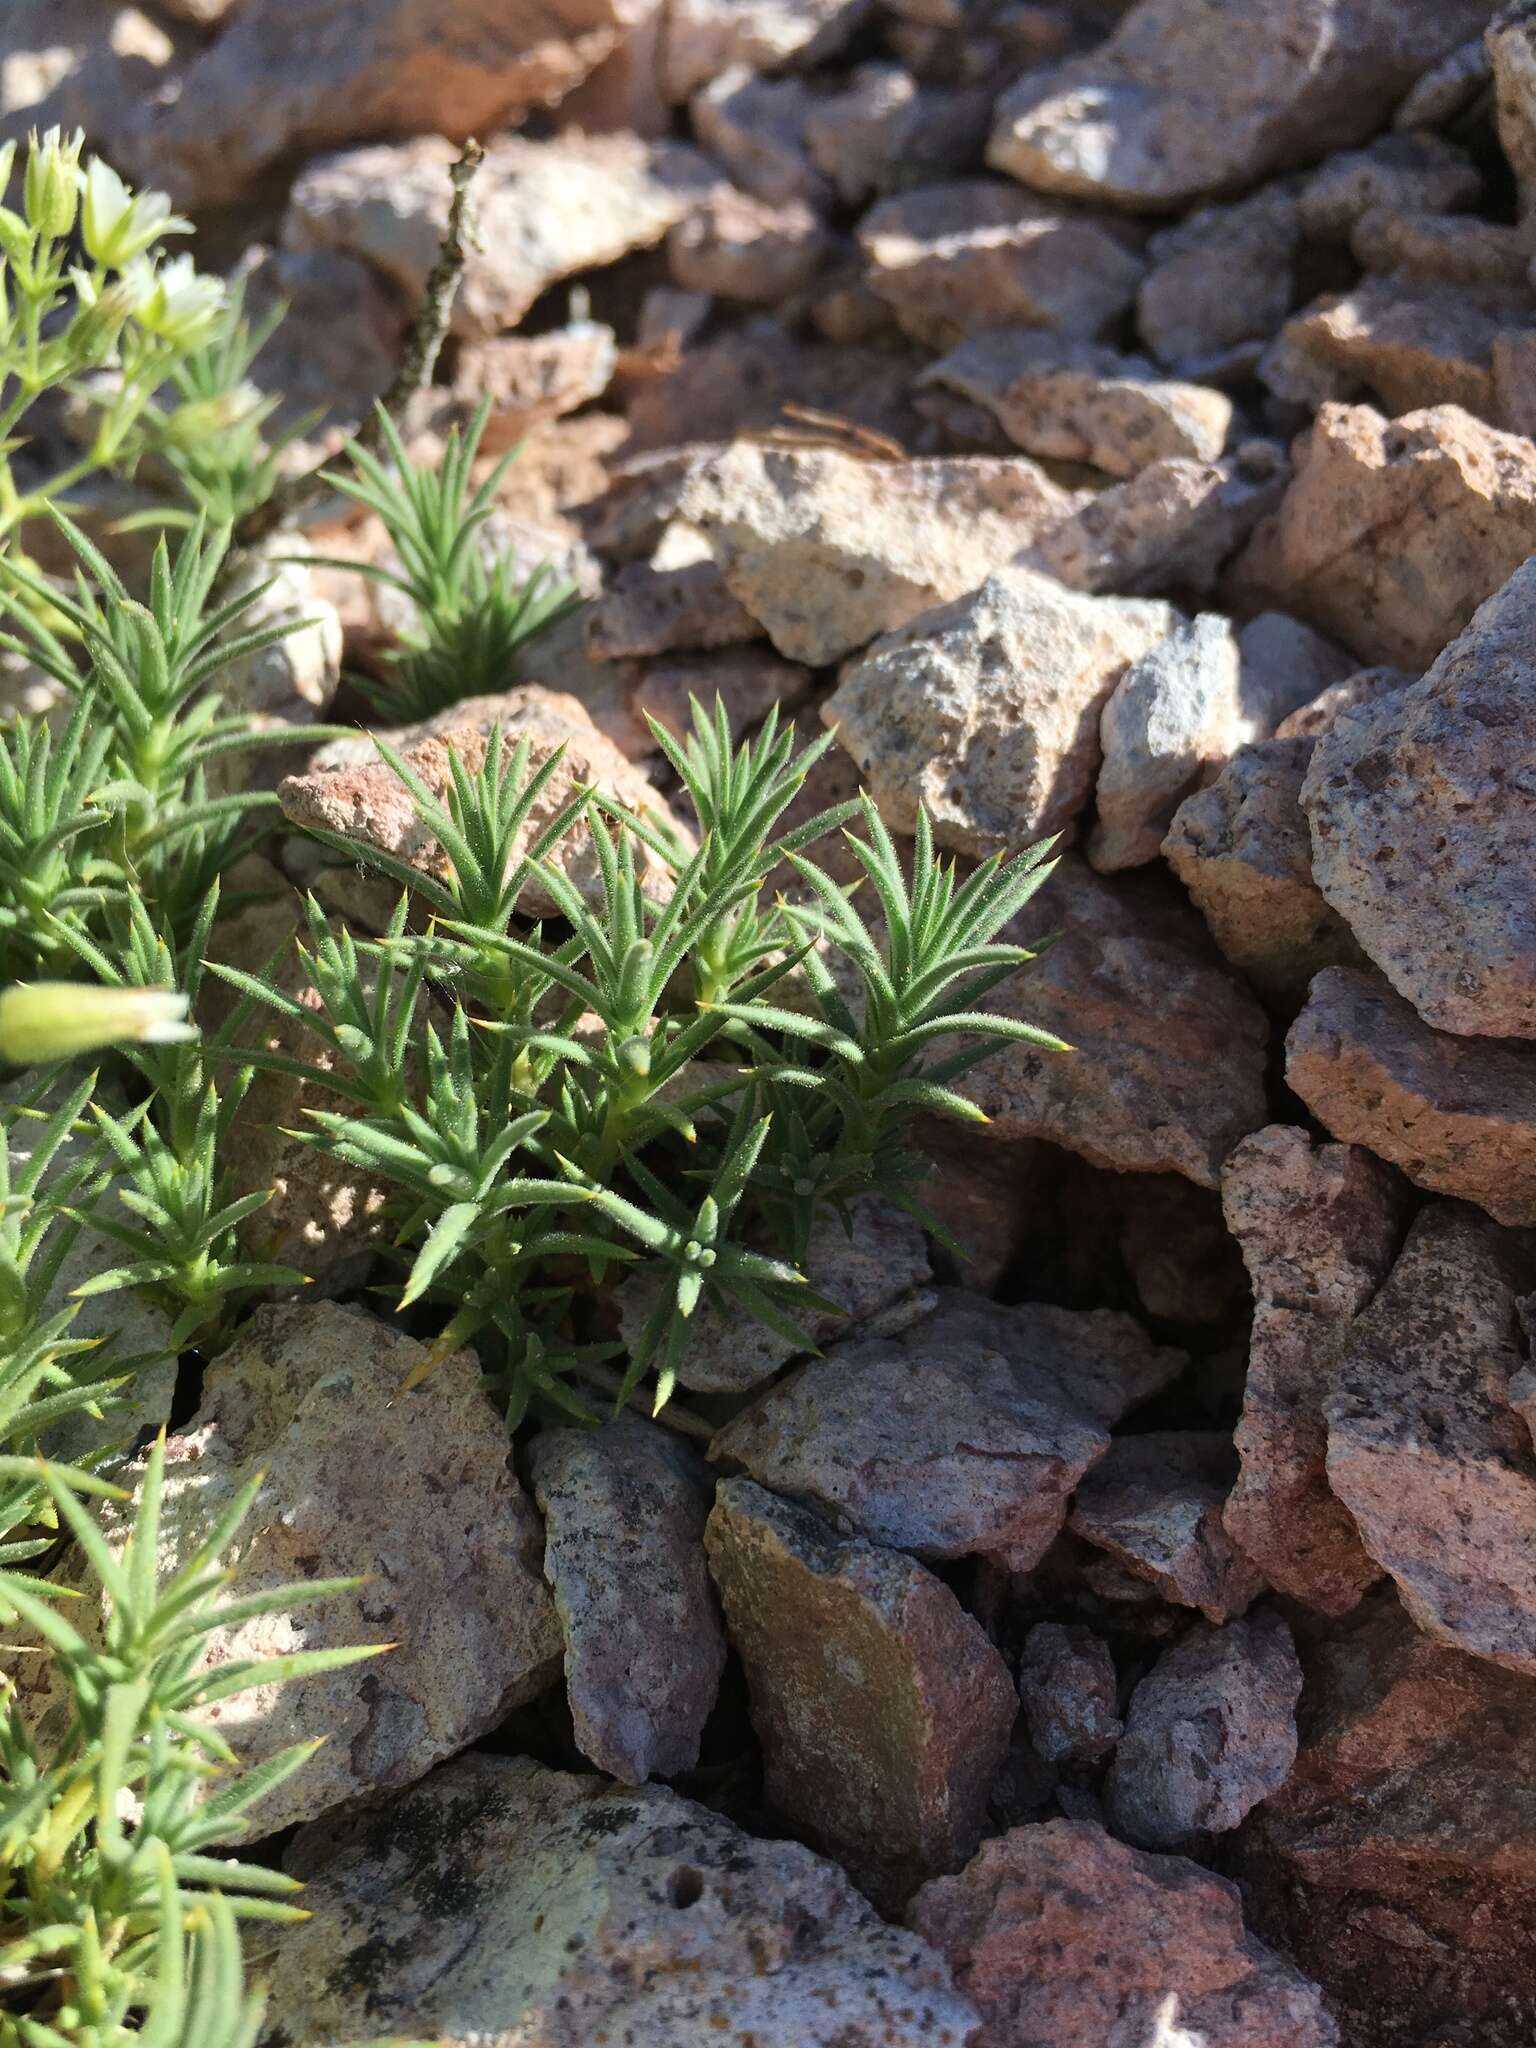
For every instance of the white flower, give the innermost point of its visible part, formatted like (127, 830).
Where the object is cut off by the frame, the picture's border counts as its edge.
(180, 306)
(117, 225)
(43, 1021)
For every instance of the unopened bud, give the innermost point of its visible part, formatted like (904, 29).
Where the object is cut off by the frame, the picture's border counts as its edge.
(52, 1020)
(53, 181)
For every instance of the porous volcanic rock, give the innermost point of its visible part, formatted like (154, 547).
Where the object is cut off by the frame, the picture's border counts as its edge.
(1457, 1115)
(624, 1510)
(1067, 1686)
(826, 550)
(1066, 1938)
(1209, 1732)
(960, 1435)
(1140, 993)
(986, 711)
(1221, 282)
(309, 1397)
(1319, 1226)
(1424, 1446)
(287, 80)
(1395, 531)
(1413, 342)
(503, 1902)
(1155, 1502)
(1183, 103)
(1423, 817)
(883, 1710)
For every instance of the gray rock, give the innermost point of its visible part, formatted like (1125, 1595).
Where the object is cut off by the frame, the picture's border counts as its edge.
(1066, 1938)
(1173, 526)
(705, 37)
(749, 681)
(741, 248)
(826, 550)
(655, 611)
(1172, 719)
(1136, 987)
(1364, 686)
(883, 1710)
(624, 1511)
(1446, 89)
(1221, 282)
(310, 1397)
(1511, 49)
(1424, 826)
(1424, 1446)
(986, 712)
(1067, 1685)
(1454, 248)
(1407, 173)
(1457, 1115)
(865, 138)
(1182, 104)
(1078, 402)
(755, 128)
(502, 1902)
(1155, 1503)
(961, 1435)
(1241, 848)
(280, 85)
(1319, 1226)
(1210, 1731)
(953, 260)
(544, 210)
(879, 1270)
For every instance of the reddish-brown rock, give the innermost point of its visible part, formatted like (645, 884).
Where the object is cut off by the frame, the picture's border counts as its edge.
(1319, 1226)
(1155, 1502)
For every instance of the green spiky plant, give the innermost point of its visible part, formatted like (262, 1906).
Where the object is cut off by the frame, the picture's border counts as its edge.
(632, 1096)
(470, 619)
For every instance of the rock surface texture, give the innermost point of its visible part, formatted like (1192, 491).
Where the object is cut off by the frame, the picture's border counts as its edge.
(500, 1902)
(883, 1711)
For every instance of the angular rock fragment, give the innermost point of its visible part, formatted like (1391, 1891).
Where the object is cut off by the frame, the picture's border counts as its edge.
(883, 1710)
(1406, 173)
(1364, 686)
(500, 1901)
(741, 248)
(1067, 1685)
(545, 209)
(1077, 402)
(1423, 817)
(1137, 989)
(1242, 850)
(755, 128)
(1457, 1115)
(1454, 248)
(1102, 1361)
(348, 791)
(1173, 526)
(987, 712)
(1221, 282)
(624, 1511)
(280, 84)
(1066, 1938)
(1398, 1861)
(529, 379)
(953, 260)
(1156, 1502)
(1209, 1732)
(705, 37)
(961, 1435)
(1511, 48)
(1183, 709)
(1186, 103)
(1413, 343)
(864, 139)
(1319, 1226)
(656, 611)
(1424, 1446)
(309, 1397)
(826, 550)
(1395, 531)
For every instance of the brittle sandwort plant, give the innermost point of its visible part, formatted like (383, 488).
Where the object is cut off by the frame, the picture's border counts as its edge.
(665, 1083)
